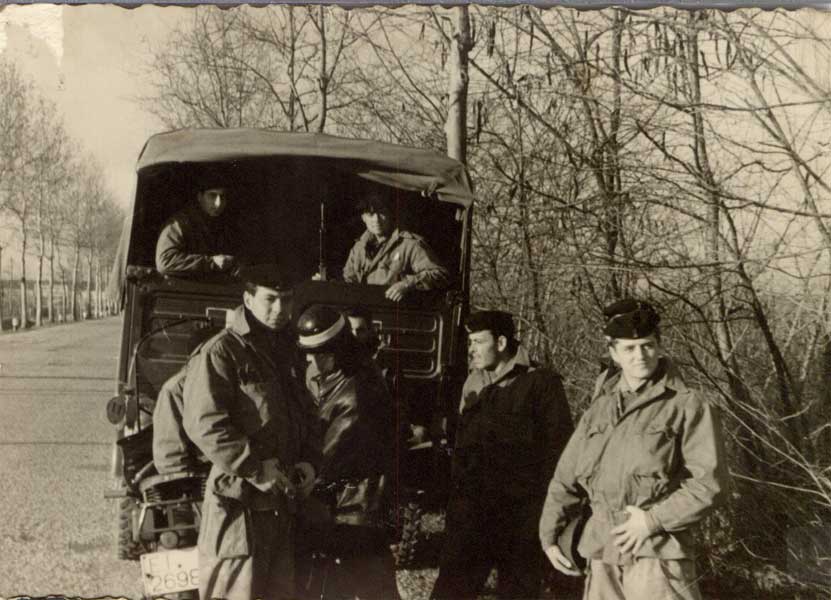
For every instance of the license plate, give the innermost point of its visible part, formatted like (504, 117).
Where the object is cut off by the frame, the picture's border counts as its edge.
(170, 571)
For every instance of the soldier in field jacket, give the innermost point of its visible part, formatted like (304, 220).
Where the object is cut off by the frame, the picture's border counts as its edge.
(250, 415)
(648, 457)
(385, 255)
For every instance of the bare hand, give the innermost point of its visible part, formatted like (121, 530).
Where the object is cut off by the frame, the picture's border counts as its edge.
(630, 536)
(397, 291)
(305, 474)
(560, 562)
(223, 261)
(272, 480)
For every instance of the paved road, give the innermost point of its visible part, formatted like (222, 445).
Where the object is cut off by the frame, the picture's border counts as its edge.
(57, 531)
(56, 528)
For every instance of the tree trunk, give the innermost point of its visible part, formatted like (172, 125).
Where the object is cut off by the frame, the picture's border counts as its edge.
(88, 303)
(456, 125)
(323, 76)
(24, 305)
(39, 291)
(50, 308)
(74, 300)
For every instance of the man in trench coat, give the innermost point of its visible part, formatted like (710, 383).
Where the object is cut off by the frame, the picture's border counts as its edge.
(250, 415)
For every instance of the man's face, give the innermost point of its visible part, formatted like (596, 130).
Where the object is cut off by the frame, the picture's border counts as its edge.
(484, 350)
(361, 329)
(638, 358)
(213, 201)
(324, 362)
(378, 221)
(270, 307)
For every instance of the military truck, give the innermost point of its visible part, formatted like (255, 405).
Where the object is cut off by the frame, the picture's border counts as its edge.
(294, 197)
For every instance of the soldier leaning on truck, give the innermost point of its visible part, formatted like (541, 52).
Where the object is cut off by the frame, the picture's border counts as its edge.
(514, 421)
(254, 421)
(649, 458)
(387, 255)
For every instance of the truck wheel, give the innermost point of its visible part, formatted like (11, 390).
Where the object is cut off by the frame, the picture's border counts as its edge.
(407, 550)
(126, 548)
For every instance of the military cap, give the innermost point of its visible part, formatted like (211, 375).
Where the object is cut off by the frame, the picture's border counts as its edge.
(630, 319)
(319, 328)
(270, 275)
(498, 322)
(569, 538)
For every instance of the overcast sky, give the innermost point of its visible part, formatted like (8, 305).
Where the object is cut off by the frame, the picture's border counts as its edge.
(88, 59)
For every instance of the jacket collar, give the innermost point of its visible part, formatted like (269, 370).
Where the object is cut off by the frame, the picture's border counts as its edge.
(519, 361)
(383, 250)
(666, 377)
(239, 322)
(327, 383)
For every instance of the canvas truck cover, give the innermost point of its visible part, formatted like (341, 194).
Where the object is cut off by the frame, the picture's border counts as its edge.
(431, 173)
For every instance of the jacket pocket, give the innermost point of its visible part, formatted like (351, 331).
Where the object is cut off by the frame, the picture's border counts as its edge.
(225, 530)
(654, 451)
(595, 441)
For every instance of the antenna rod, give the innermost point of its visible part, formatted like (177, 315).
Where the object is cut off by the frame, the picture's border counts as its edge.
(321, 268)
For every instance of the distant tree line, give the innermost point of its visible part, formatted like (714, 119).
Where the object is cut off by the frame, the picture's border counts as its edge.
(677, 156)
(59, 225)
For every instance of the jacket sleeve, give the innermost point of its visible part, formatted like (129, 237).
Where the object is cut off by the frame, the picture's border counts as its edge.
(350, 269)
(555, 419)
(427, 272)
(310, 450)
(210, 389)
(172, 253)
(703, 456)
(564, 493)
(340, 442)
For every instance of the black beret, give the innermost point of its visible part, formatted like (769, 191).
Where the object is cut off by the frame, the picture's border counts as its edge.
(497, 322)
(319, 328)
(268, 275)
(630, 319)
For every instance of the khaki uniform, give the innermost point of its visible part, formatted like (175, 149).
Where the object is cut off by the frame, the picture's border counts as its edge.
(172, 450)
(661, 450)
(404, 257)
(513, 425)
(243, 405)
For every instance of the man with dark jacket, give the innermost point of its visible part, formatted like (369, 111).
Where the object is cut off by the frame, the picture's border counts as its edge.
(514, 421)
(648, 457)
(358, 421)
(196, 239)
(252, 418)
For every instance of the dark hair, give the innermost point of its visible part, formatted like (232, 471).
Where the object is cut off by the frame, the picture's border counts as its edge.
(358, 311)
(375, 200)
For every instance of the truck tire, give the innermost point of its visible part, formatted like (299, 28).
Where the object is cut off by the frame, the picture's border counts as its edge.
(126, 548)
(411, 539)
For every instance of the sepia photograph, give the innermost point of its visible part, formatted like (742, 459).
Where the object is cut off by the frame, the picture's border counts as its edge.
(328, 302)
